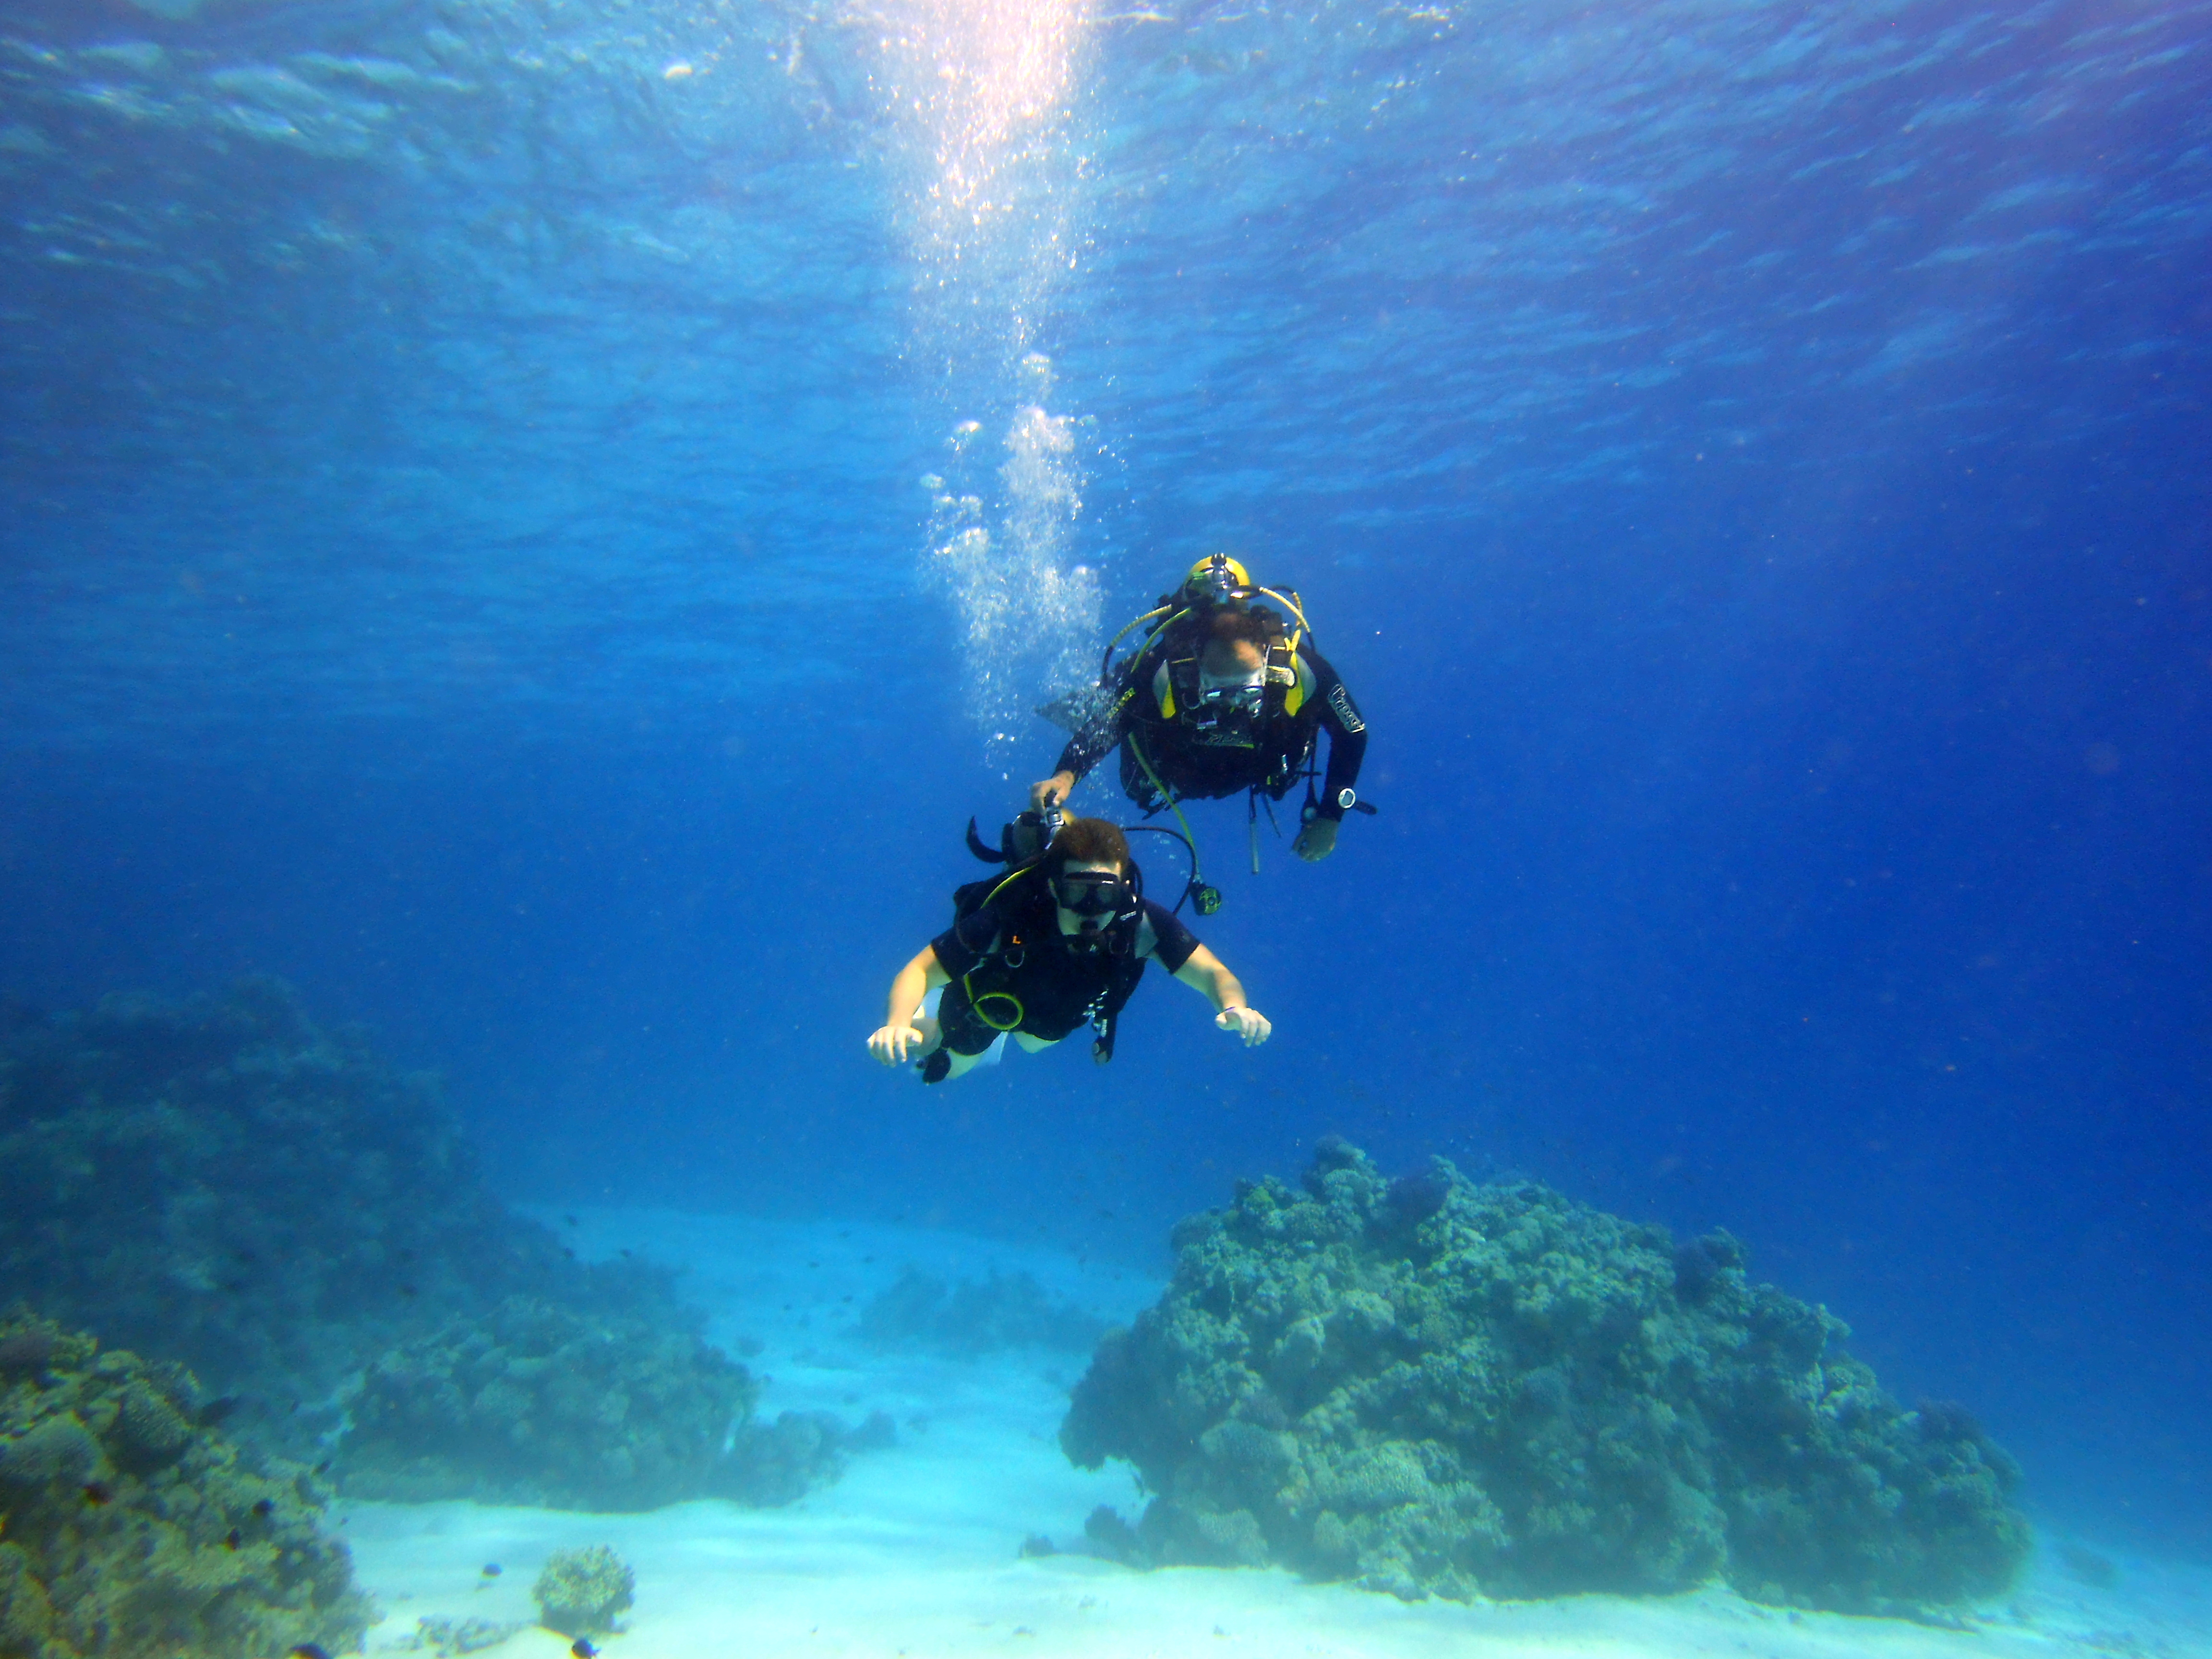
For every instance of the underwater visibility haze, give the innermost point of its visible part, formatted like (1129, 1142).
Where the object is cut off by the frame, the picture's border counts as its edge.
(529, 527)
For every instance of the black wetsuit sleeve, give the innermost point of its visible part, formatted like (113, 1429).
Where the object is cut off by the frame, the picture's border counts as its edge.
(1092, 744)
(1099, 735)
(966, 943)
(1172, 942)
(1347, 731)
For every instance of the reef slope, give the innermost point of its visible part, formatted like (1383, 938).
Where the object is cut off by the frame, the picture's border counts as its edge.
(220, 1182)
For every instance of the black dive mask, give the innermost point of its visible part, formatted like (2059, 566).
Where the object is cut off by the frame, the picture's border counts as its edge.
(1093, 894)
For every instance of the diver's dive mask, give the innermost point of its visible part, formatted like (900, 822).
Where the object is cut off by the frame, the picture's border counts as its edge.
(1243, 696)
(1092, 894)
(1228, 714)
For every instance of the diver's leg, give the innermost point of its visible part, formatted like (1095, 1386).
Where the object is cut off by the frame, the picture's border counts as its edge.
(963, 1064)
(942, 1027)
(959, 1065)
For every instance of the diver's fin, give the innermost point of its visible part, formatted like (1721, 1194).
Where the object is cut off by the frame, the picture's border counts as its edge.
(1072, 711)
(982, 849)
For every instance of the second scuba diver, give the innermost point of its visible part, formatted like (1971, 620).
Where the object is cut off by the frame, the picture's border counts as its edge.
(1057, 943)
(1223, 697)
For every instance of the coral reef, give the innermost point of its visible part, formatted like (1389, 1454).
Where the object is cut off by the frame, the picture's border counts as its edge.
(134, 1529)
(772, 1464)
(583, 1592)
(1006, 1311)
(1431, 1387)
(219, 1182)
(535, 1404)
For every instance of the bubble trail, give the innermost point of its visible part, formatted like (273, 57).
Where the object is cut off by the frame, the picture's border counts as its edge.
(983, 91)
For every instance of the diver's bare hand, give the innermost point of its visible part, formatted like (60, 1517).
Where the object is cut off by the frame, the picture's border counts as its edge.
(1317, 841)
(1051, 792)
(895, 1045)
(1248, 1022)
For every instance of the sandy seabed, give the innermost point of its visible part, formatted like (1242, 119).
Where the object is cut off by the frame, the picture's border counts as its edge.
(916, 1551)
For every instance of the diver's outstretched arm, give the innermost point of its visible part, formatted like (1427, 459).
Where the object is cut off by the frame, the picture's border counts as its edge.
(899, 1040)
(1048, 792)
(1208, 975)
(1094, 739)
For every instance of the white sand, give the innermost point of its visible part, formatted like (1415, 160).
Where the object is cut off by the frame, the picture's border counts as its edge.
(914, 1552)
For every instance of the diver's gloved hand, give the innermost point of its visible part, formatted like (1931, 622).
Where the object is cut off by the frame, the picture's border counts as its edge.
(1248, 1022)
(1317, 841)
(1051, 792)
(895, 1045)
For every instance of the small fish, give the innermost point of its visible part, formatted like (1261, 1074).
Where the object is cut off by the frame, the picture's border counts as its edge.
(309, 1650)
(584, 1649)
(97, 1492)
(266, 1507)
(571, 1219)
(491, 1569)
(409, 1291)
(625, 1256)
(232, 1538)
(216, 1410)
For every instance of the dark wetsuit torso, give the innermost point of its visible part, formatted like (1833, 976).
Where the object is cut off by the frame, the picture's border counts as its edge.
(1194, 766)
(1014, 946)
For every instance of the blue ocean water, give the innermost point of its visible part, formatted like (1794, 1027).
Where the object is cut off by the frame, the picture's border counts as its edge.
(467, 551)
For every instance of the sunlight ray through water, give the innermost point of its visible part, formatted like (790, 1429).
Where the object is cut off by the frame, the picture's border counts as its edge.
(985, 94)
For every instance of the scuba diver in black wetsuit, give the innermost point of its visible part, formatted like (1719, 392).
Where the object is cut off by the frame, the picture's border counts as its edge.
(1057, 943)
(1225, 696)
